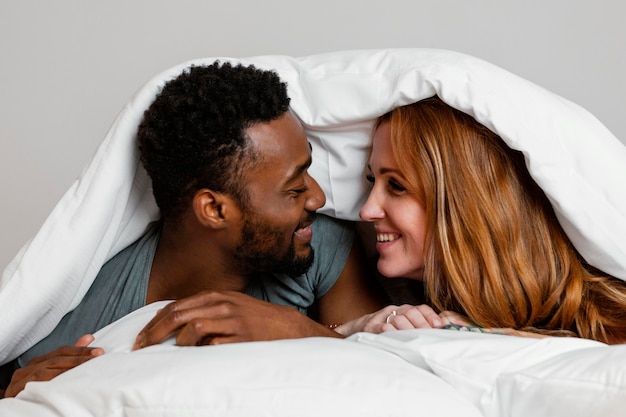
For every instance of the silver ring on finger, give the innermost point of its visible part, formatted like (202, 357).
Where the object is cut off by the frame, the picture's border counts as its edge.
(390, 316)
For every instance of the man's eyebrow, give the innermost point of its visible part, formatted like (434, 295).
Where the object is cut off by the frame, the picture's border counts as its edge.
(299, 170)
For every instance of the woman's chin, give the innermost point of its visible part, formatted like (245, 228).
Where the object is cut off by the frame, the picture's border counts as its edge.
(387, 270)
(390, 270)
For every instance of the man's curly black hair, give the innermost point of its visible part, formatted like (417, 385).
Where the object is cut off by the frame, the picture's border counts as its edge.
(193, 134)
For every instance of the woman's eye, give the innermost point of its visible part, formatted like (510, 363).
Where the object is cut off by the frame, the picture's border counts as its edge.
(370, 178)
(396, 186)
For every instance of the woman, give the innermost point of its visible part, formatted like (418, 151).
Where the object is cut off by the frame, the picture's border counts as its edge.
(453, 206)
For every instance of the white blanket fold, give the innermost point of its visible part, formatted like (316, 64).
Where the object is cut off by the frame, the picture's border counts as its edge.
(579, 164)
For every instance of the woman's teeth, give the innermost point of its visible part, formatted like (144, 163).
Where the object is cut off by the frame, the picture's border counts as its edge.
(386, 237)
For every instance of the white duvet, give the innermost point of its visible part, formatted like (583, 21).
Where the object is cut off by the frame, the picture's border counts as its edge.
(578, 163)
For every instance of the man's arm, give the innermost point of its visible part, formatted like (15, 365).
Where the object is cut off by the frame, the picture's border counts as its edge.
(214, 317)
(227, 317)
(46, 367)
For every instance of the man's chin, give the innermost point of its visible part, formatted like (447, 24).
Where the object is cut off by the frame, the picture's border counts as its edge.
(299, 265)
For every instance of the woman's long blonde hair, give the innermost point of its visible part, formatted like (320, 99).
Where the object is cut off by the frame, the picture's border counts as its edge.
(495, 250)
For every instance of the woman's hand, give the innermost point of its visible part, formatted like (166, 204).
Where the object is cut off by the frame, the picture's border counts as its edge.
(395, 317)
(419, 317)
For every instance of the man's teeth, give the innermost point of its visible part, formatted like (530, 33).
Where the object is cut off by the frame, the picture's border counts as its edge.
(386, 237)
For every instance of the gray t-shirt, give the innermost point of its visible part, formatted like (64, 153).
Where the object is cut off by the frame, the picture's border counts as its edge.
(122, 283)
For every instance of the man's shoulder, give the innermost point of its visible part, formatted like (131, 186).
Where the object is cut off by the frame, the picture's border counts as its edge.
(146, 243)
(332, 237)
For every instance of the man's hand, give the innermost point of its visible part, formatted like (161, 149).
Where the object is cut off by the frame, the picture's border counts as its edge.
(44, 368)
(211, 318)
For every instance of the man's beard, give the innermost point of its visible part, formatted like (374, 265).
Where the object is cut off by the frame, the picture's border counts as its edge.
(257, 249)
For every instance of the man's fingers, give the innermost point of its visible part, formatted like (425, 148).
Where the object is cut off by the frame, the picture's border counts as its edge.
(67, 351)
(173, 309)
(165, 323)
(203, 331)
(156, 331)
(170, 321)
(222, 339)
(84, 340)
(46, 368)
(67, 362)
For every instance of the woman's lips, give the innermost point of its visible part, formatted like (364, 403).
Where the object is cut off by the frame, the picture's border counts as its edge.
(386, 239)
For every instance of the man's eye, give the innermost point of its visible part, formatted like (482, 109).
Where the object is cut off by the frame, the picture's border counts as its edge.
(299, 191)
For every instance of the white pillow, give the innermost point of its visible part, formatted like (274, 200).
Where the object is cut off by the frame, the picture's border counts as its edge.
(581, 383)
(299, 377)
(517, 376)
(419, 372)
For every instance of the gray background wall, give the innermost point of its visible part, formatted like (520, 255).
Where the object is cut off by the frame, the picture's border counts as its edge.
(67, 67)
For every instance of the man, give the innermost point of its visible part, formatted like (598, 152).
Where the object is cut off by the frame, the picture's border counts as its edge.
(236, 241)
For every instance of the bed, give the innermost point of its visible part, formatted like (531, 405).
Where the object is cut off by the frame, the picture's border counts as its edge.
(578, 163)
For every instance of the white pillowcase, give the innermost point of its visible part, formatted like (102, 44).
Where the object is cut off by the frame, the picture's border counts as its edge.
(516, 376)
(299, 377)
(416, 373)
(581, 383)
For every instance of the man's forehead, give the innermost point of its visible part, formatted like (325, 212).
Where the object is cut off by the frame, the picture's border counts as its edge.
(279, 137)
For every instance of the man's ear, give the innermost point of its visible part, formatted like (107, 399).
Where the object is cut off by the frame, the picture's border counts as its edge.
(211, 208)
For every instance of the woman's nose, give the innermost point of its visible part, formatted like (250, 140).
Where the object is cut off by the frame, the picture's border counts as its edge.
(371, 210)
